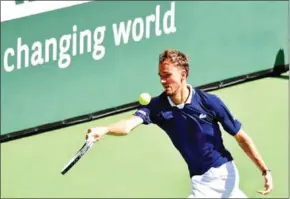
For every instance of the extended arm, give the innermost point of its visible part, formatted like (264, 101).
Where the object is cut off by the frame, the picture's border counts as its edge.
(122, 127)
(247, 144)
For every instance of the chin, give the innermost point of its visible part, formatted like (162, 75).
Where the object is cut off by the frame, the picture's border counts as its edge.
(169, 93)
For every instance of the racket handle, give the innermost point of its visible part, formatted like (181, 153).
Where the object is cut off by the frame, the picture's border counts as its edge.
(90, 138)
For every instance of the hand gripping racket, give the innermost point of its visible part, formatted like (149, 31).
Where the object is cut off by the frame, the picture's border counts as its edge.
(87, 145)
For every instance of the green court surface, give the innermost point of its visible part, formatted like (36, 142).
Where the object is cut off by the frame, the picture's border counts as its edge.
(145, 163)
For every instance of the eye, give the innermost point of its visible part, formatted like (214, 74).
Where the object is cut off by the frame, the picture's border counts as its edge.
(167, 75)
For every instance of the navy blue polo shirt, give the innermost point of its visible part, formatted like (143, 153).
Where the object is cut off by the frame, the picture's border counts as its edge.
(193, 127)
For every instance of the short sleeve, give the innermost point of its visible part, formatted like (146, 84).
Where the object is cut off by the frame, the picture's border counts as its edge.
(148, 112)
(144, 112)
(224, 116)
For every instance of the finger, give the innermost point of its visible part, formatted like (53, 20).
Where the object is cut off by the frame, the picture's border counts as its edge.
(262, 192)
(265, 192)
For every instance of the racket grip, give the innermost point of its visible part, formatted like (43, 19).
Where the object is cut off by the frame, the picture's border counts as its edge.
(90, 138)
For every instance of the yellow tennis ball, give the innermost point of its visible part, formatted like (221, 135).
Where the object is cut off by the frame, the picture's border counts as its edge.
(144, 98)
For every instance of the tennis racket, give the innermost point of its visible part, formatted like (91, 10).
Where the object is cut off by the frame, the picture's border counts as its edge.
(87, 145)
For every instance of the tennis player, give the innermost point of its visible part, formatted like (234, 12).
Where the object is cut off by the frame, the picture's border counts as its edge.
(191, 119)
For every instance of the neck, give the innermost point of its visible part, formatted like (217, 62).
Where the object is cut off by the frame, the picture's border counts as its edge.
(181, 95)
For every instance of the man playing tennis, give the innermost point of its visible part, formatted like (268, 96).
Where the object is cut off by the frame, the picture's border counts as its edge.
(191, 119)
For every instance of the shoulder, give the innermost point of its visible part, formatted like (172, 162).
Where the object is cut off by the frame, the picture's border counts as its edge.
(159, 101)
(208, 99)
(205, 95)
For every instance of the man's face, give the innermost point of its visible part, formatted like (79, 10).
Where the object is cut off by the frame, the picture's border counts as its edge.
(171, 77)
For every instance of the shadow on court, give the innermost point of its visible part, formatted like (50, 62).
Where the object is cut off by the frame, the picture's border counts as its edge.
(286, 77)
(280, 67)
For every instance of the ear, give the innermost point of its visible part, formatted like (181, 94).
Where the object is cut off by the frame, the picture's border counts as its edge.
(183, 74)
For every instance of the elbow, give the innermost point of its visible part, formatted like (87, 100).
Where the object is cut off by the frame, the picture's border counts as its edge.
(126, 131)
(122, 131)
(127, 128)
(119, 130)
(244, 140)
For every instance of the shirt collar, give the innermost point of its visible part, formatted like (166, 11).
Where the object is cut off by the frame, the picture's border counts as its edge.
(188, 101)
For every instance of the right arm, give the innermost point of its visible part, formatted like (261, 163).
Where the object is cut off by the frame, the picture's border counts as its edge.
(142, 115)
(122, 127)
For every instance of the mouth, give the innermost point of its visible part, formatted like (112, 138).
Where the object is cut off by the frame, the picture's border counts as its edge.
(166, 87)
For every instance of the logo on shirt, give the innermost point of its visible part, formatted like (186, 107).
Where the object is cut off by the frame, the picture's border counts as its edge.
(202, 116)
(142, 112)
(167, 115)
